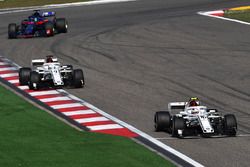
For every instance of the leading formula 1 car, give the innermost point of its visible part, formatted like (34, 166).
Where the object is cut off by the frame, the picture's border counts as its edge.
(38, 25)
(194, 120)
(50, 73)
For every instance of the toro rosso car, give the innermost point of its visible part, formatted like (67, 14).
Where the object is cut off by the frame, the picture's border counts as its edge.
(49, 72)
(194, 119)
(38, 25)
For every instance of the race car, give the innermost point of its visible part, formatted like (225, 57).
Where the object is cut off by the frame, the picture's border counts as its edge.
(50, 73)
(194, 119)
(38, 25)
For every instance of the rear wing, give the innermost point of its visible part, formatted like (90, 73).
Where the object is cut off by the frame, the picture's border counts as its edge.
(37, 62)
(176, 105)
(48, 14)
(40, 62)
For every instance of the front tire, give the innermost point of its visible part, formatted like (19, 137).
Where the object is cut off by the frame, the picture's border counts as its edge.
(34, 80)
(61, 25)
(78, 78)
(24, 75)
(178, 123)
(162, 121)
(12, 31)
(230, 125)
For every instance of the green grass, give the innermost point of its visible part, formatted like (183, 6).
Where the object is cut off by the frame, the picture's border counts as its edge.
(238, 15)
(30, 137)
(24, 3)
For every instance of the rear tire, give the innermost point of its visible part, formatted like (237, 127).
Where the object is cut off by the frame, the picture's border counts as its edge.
(24, 75)
(12, 31)
(49, 29)
(230, 125)
(162, 121)
(61, 25)
(34, 80)
(78, 78)
(178, 123)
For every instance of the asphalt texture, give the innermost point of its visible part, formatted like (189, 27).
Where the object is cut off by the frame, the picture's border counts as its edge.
(138, 56)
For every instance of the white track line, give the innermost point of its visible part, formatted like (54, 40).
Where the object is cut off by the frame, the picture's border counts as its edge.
(9, 75)
(14, 81)
(223, 18)
(8, 69)
(3, 63)
(24, 9)
(105, 127)
(70, 105)
(215, 12)
(63, 98)
(40, 93)
(23, 87)
(78, 112)
(94, 119)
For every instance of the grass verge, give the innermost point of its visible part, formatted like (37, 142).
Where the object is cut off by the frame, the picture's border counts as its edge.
(31, 137)
(243, 15)
(26, 3)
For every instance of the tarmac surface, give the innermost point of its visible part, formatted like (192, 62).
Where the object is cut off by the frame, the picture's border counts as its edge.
(138, 56)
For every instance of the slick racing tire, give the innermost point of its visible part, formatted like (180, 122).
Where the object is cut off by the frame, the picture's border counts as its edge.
(230, 125)
(34, 80)
(61, 25)
(24, 75)
(12, 31)
(49, 29)
(178, 123)
(78, 78)
(162, 121)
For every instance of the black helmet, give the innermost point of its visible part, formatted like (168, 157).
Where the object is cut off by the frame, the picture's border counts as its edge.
(36, 14)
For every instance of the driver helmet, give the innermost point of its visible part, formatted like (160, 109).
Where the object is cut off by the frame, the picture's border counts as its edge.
(36, 14)
(49, 59)
(194, 101)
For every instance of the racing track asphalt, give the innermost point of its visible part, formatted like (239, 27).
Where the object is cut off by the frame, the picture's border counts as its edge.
(138, 56)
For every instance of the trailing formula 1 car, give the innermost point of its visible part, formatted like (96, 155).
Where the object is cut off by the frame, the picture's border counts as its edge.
(50, 73)
(194, 119)
(38, 25)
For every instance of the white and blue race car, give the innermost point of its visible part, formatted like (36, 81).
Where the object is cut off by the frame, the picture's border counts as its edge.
(194, 119)
(49, 72)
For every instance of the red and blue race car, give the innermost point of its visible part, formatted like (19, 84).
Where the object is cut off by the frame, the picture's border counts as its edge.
(38, 25)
